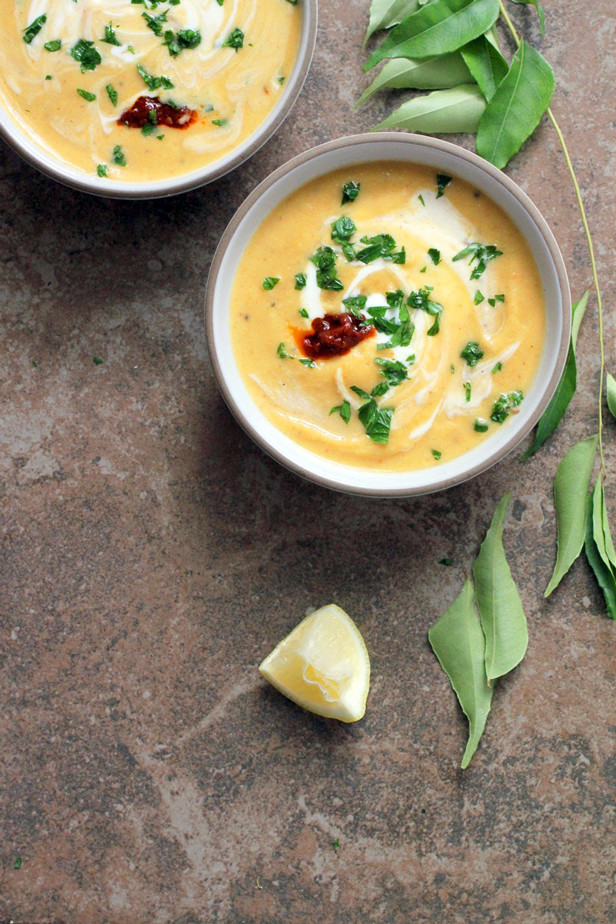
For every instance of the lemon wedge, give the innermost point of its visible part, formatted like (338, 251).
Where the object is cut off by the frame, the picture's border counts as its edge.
(323, 665)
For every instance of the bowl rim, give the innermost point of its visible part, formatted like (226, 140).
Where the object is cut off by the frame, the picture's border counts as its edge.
(430, 144)
(51, 165)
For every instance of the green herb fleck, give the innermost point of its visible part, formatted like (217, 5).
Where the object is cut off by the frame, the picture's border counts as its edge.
(479, 298)
(436, 453)
(300, 283)
(442, 182)
(497, 367)
(343, 230)
(110, 37)
(325, 261)
(54, 45)
(281, 351)
(480, 254)
(504, 404)
(497, 298)
(112, 94)
(177, 42)
(350, 192)
(344, 410)
(303, 313)
(34, 28)
(308, 362)
(381, 245)
(102, 170)
(435, 255)
(394, 372)
(86, 54)
(421, 300)
(467, 390)
(220, 122)
(154, 83)
(85, 94)
(472, 353)
(269, 282)
(235, 40)
(377, 421)
(118, 156)
(481, 425)
(421, 199)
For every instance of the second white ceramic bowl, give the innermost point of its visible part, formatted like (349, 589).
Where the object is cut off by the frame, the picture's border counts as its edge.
(442, 157)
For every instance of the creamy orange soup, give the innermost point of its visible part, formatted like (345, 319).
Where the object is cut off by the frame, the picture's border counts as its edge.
(192, 78)
(428, 284)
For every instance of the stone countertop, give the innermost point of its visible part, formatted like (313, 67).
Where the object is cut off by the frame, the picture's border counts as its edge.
(152, 555)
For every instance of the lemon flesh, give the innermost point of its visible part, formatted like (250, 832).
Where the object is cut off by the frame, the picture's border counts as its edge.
(323, 665)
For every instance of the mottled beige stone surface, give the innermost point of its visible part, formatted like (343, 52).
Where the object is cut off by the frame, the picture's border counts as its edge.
(152, 555)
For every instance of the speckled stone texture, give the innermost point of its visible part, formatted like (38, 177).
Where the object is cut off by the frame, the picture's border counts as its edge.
(152, 555)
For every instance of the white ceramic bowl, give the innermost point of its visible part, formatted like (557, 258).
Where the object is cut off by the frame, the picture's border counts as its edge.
(441, 156)
(47, 162)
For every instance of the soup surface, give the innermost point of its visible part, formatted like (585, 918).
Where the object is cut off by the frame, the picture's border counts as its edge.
(146, 89)
(387, 317)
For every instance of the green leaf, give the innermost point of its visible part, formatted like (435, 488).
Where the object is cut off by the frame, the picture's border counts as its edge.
(515, 110)
(500, 608)
(565, 389)
(459, 644)
(611, 394)
(437, 28)
(539, 9)
(601, 528)
(570, 491)
(441, 112)
(386, 13)
(603, 574)
(486, 64)
(441, 71)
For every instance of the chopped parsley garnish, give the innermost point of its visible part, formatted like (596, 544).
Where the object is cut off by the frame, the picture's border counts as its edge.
(282, 352)
(442, 182)
(220, 122)
(154, 83)
(381, 245)
(350, 192)
(303, 312)
(435, 255)
(269, 282)
(308, 362)
(85, 94)
(467, 390)
(436, 453)
(118, 156)
(480, 254)
(110, 37)
(112, 94)
(54, 45)
(177, 42)
(86, 54)
(155, 23)
(479, 298)
(376, 421)
(421, 300)
(343, 230)
(497, 298)
(343, 409)
(472, 353)
(481, 425)
(505, 403)
(325, 261)
(394, 372)
(421, 199)
(300, 283)
(235, 40)
(355, 304)
(497, 367)
(34, 28)
(102, 170)
(400, 327)
(150, 128)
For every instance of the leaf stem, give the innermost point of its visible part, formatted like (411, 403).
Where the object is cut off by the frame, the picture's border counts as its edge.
(591, 249)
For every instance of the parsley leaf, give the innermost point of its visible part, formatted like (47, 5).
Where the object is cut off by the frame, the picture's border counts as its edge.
(118, 156)
(350, 191)
(381, 245)
(421, 300)
(282, 352)
(86, 54)
(269, 282)
(300, 283)
(394, 372)
(155, 23)
(467, 390)
(479, 298)
(436, 453)
(442, 182)
(110, 36)
(34, 28)
(154, 83)
(102, 170)
(355, 304)
(376, 421)
(472, 353)
(481, 425)
(343, 230)
(54, 45)
(112, 94)
(85, 94)
(235, 40)
(343, 409)
(504, 404)
(177, 42)
(480, 254)
(435, 255)
(325, 261)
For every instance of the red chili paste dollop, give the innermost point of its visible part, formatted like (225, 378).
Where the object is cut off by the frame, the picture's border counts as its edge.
(140, 114)
(334, 335)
